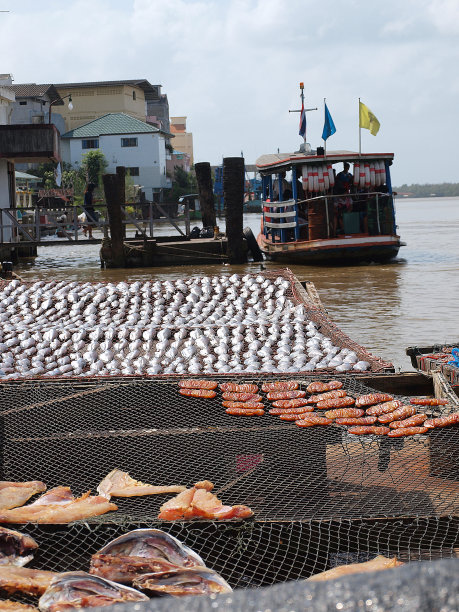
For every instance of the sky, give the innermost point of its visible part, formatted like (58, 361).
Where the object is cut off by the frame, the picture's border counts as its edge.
(233, 68)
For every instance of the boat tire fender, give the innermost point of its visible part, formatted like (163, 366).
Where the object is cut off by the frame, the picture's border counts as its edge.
(252, 244)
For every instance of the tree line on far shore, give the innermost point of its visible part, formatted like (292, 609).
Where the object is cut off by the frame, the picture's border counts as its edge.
(428, 190)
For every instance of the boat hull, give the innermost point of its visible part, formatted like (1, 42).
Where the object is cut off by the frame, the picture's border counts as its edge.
(334, 250)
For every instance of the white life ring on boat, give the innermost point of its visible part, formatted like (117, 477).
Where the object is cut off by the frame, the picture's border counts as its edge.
(326, 178)
(356, 173)
(381, 170)
(315, 178)
(372, 175)
(331, 175)
(304, 176)
(362, 176)
(320, 175)
(367, 174)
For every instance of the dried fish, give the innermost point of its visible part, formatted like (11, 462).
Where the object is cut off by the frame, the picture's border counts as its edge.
(184, 581)
(378, 563)
(16, 548)
(14, 494)
(24, 580)
(119, 484)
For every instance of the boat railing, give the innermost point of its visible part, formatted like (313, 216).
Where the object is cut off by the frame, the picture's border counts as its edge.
(281, 216)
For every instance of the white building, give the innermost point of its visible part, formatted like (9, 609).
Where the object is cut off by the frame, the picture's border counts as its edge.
(124, 141)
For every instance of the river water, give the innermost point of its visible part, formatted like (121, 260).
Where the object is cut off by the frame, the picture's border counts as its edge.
(414, 300)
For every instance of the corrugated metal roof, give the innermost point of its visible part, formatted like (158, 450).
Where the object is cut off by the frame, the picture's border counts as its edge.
(112, 123)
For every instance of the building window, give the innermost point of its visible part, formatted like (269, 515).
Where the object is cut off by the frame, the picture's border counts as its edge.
(134, 95)
(129, 142)
(23, 103)
(133, 171)
(92, 143)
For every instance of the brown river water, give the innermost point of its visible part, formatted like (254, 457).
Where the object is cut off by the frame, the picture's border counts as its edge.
(414, 300)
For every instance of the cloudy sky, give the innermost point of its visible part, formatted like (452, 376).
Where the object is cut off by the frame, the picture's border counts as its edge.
(233, 68)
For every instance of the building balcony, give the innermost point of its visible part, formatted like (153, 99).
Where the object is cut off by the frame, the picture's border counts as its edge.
(31, 143)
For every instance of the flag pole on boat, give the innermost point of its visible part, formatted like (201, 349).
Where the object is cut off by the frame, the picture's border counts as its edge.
(302, 111)
(360, 133)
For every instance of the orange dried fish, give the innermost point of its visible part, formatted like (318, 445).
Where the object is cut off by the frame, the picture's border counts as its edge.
(298, 410)
(325, 396)
(372, 398)
(444, 421)
(365, 420)
(313, 419)
(245, 411)
(407, 431)
(198, 384)
(280, 385)
(292, 403)
(236, 388)
(361, 430)
(280, 395)
(242, 397)
(384, 408)
(414, 421)
(427, 401)
(319, 386)
(344, 412)
(202, 393)
(398, 415)
(336, 402)
(243, 405)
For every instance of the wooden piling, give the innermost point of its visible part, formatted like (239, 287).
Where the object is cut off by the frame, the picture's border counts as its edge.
(206, 194)
(114, 189)
(121, 174)
(233, 194)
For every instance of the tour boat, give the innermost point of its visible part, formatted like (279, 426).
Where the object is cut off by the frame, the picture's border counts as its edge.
(306, 221)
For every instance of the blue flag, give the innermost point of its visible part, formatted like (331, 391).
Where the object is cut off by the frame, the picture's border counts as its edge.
(329, 126)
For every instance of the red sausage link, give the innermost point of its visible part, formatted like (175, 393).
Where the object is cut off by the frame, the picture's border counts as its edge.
(400, 414)
(344, 412)
(337, 402)
(369, 429)
(299, 410)
(280, 385)
(243, 388)
(293, 416)
(313, 420)
(206, 393)
(366, 420)
(407, 431)
(226, 404)
(280, 395)
(414, 421)
(198, 384)
(426, 401)
(372, 398)
(245, 411)
(383, 408)
(450, 419)
(325, 396)
(242, 397)
(319, 387)
(293, 403)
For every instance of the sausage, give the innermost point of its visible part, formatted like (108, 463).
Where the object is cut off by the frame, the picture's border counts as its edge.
(383, 408)
(444, 421)
(280, 385)
(427, 401)
(198, 384)
(293, 416)
(293, 403)
(372, 398)
(398, 415)
(242, 397)
(328, 395)
(313, 419)
(227, 404)
(206, 393)
(407, 431)
(362, 430)
(337, 402)
(279, 395)
(413, 421)
(365, 420)
(319, 386)
(235, 388)
(299, 410)
(344, 412)
(245, 411)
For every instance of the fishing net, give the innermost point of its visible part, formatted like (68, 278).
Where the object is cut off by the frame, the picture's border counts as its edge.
(321, 497)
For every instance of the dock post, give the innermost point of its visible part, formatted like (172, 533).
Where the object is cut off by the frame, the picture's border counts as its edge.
(206, 194)
(121, 174)
(113, 196)
(233, 195)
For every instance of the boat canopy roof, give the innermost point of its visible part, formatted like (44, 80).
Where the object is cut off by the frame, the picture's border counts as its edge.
(278, 162)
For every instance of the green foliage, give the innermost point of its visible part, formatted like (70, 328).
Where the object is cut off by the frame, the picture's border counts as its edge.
(182, 183)
(93, 165)
(429, 189)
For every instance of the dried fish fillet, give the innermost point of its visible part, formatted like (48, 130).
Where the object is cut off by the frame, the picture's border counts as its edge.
(24, 580)
(14, 494)
(184, 581)
(58, 506)
(378, 563)
(119, 484)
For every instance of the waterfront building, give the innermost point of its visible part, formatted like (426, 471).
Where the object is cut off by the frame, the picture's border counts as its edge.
(125, 141)
(183, 139)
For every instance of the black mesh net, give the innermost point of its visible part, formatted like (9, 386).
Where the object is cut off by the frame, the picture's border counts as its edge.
(320, 496)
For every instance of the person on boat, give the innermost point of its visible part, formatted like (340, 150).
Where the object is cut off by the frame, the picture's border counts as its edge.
(89, 210)
(343, 183)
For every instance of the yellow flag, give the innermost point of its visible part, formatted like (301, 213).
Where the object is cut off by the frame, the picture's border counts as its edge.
(367, 120)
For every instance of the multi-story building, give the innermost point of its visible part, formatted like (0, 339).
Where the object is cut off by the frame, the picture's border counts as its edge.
(94, 99)
(124, 141)
(183, 139)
